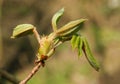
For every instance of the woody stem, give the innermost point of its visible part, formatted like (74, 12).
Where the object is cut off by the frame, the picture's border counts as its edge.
(34, 70)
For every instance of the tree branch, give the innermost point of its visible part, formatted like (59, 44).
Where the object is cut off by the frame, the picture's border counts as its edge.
(39, 64)
(1, 38)
(8, 76)
(35, 69)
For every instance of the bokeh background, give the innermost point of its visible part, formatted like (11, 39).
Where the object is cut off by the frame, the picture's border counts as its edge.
(102, 30)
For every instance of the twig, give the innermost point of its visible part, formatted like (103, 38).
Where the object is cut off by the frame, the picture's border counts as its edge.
(35, 69)
(39, 64)
(1, 38)
(8, 76)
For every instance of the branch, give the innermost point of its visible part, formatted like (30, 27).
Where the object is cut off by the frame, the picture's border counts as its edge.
(39, 64)
(35, 69)
(1, 38)
(8, 76)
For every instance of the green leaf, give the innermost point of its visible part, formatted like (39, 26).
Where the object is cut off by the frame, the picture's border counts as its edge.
(89, 55)
(22, 30)
(73, 40)
(80, 47)
(77, 42)
(70, 28)
(56, 41)
(56, 18)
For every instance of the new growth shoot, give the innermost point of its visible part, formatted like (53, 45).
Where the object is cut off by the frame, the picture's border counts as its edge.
(48, 43)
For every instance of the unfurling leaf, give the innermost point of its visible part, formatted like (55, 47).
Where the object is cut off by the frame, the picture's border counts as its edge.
(70, 28)
(76, 42)
(80, 47)
(73, 41)
(22, 30)
(56, 18)
(89, 55)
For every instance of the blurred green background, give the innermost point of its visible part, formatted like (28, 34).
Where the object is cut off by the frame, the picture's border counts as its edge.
(102, 31)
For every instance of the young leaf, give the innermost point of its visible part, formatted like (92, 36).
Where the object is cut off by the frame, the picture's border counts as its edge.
(89, 55)
(77, 42)
(70, 28)
(80, 47)
(73, 40)
(22, 30)
(56, 41)
(56, 18)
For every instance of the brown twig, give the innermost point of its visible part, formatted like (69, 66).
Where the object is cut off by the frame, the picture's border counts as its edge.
(8, 76)
(39, 64)
(1, 38)
(35, 69)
